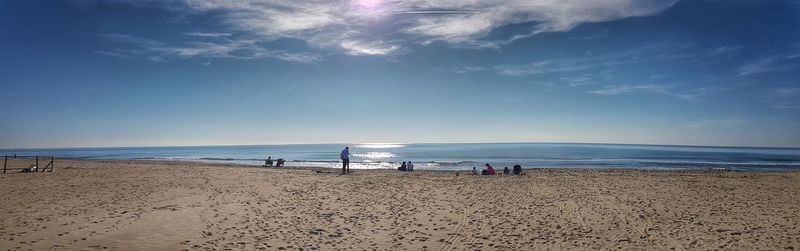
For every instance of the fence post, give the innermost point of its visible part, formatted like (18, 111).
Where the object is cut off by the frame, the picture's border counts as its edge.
(5, 162)
(37, 164)
(52, 163)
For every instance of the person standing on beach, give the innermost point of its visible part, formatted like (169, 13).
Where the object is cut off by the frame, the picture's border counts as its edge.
(345, 160)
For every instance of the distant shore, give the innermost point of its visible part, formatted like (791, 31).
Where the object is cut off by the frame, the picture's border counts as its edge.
(145, 204)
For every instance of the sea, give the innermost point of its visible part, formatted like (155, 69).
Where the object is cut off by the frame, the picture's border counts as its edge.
(448, 157)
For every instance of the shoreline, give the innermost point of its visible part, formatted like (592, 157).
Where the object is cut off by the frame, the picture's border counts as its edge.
(145, 205)
(535, 169)
(463, 156)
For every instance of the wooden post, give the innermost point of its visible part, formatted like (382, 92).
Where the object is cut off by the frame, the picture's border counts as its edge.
(5, 162)
(37, 164)
(52, 163)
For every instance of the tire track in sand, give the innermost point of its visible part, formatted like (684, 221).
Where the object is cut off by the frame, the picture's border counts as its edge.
(642, 225)
(484, 221)
(468, 211)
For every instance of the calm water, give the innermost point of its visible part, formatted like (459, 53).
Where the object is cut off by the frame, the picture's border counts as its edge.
(462, 156)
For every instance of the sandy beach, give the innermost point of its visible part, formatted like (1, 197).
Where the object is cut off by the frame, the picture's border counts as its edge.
(177, 205)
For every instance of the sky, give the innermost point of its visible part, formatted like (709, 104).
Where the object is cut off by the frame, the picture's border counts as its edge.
(93, 73)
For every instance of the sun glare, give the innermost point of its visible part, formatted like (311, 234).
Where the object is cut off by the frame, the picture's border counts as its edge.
(369, 4)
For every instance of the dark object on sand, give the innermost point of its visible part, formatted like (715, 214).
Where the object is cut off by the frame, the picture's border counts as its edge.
(517, 170)
(505, 170)
(278, 163)
(32, 169)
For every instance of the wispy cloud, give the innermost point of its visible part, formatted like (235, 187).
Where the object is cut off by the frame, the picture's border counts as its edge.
(622, 89)
(359, 27)
(134, 47)
(783, 98)
(644, 88)
(207, 34)
(787, 92)
(654, 51)
(468, 69)
(561, 65)
(715, 123)
(769, 64)
(581, 80)
(725, 50)
(541, 15)
(359, 48)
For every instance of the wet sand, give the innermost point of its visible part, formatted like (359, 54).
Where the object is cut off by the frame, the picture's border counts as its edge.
(173, 206)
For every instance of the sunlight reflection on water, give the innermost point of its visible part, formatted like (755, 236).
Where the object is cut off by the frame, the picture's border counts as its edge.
(380, 146)
(374, 155)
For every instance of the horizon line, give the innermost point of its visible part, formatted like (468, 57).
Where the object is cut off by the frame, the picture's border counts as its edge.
(416, 143)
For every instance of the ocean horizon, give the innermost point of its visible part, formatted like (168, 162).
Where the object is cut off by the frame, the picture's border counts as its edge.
(457, 156)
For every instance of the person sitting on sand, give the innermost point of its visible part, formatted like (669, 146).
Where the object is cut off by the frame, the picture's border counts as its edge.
(474, 171)
(490, 169)
(517, 170)
(268, 162)
(410, 167)
(280, 163)
(402, 167)
(505, 170)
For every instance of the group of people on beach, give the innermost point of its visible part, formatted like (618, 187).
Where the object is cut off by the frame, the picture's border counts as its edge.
(489, 170)
(344, 155)
(407, 166)
(269, 162)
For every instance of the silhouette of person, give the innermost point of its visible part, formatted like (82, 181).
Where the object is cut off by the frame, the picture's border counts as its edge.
(345, 155)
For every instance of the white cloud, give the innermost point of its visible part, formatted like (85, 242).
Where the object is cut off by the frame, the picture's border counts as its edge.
(762, 65)
(768, 64)
(725, 50)
(644, 88)
(575, 81)
(233, 49)
(787, 92)
(207, 34)
(783, 98)
(622, 89)
(541, 15)
(561, 65)
(654, 51)
(468, 69)
(360, 29)
(359, 48)
(716, 123)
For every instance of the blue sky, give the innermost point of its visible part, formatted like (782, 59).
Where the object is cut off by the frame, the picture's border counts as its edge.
(202, 72)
